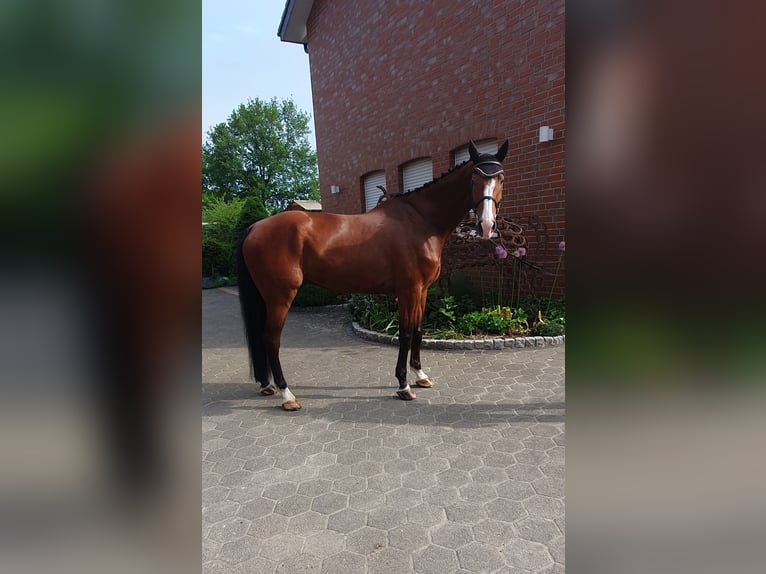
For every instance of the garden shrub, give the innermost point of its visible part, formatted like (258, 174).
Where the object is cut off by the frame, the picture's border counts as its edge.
(219, 236)
(447, 316)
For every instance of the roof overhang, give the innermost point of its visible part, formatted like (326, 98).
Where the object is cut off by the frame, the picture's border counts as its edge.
(292, 28)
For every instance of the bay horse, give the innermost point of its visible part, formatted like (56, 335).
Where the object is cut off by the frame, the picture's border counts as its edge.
(394, 249)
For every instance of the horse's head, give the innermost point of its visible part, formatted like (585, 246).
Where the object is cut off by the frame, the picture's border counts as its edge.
(487, 182)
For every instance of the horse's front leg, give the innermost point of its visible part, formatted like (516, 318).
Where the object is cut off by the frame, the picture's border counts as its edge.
(405, 341)
(407, 310)
(421, 379)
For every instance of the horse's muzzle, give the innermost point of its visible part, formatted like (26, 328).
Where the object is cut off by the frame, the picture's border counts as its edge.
(487, 228)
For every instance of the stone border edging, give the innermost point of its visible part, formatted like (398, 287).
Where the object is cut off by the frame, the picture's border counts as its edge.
(495, 343)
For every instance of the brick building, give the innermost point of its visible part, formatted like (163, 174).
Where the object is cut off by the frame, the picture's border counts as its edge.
(399, 88)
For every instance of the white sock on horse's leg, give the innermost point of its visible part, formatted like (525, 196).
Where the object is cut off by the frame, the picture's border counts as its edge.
(419, 374)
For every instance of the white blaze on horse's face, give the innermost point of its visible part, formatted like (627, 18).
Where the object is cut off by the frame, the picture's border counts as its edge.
(487, 210)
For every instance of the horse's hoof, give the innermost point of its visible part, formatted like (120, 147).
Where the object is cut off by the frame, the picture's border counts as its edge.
(424, 383)
(267, 391)
(292, 405)
(406, 395)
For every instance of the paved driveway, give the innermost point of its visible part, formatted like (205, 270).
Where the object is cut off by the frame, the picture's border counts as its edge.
(467, 478)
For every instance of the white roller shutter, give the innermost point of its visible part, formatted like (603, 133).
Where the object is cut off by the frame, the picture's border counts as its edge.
(483, 146)
(371, 191)
(417, 173)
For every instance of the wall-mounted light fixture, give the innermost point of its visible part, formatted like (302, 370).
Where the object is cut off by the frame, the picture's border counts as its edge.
(546, 134)
(334, 189)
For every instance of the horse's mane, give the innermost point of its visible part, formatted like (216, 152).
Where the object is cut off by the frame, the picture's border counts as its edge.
(430, 183)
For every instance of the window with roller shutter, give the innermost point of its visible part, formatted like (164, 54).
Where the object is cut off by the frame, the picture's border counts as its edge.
(482, 146)
(417, 173)
(371, 191)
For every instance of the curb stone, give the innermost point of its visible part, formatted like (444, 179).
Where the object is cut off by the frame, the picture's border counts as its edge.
(488, 343)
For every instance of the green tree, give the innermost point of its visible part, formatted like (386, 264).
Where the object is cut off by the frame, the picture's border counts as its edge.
(261, 151)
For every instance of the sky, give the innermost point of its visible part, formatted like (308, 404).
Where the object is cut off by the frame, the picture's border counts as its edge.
(242, 58)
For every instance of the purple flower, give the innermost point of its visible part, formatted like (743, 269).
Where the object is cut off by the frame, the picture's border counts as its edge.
(519, 252)
(562, 246)
(500, 252)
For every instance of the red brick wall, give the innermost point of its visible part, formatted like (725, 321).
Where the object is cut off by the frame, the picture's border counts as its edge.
(396, 81)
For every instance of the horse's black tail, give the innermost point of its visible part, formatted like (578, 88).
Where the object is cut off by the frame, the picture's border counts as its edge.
(254, 317)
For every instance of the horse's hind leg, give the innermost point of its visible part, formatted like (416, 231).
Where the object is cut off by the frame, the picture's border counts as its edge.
(276, 315)
(421, 379)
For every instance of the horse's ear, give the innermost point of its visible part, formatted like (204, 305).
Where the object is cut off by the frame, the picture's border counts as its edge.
(500, 155)
(473, 152)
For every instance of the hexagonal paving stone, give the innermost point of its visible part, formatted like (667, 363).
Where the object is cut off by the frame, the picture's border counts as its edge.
(549, 487)
(532, 457)
(466, 512)
(292, 505)
(366, 468)
(321, 459)
(366, 540)
(466, 462)
(344, 563)
(478, 557)
(544, 507)
(256, 508)
(451, 535)
(324, 544)
(229, 529)
(408, 537)
(521, 553)
(515, 490)
(236, 478)
(426, 514)
(239, 550)
(523, 472)
(403, 498)
(268, 526)
(509, 445)
(349, 484)
(441, 495)
(334, 471)
(477, 493)
(346, 520)
(384, 482)
(281, 546)
(435, 560)
(537, 530)
(399, 466)
(329, 503)
(227, 465)
(453, 477)
(366, 500)
(418, 480)
(315, 487)
(556, 548)
(386, 517)
(307, 523)
(388, 561)
(505, 510)
(493, 532)
(488, 475)
(220, 511)
(280, 491)
(256, 565)
(300, 564)
(498, 459)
